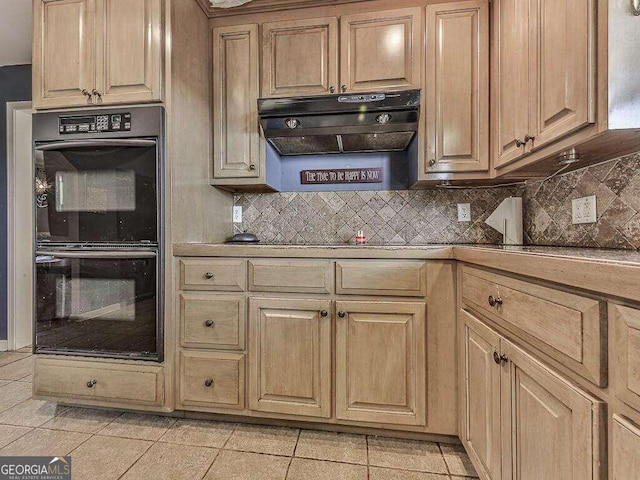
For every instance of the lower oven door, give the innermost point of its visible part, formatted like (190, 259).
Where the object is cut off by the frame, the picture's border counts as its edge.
(98, 303)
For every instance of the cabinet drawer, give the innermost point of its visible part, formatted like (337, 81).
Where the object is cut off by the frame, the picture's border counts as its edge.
(212, 274)
(565, 326)
(99, 382)
(210, 379)
(626, 363)
(405, 279)
(625, 446)
(212, 320)
(305, 276)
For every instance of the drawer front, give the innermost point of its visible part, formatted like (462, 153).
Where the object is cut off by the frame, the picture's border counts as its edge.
(625, 446)
(99, 382)
(566, 326)
(362, 277)
(212, 274)
(305, 276)
(211, 379)
(210, 320)
(626, 351)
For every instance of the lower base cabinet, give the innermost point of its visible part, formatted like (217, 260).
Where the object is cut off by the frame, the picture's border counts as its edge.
(290, 356)
(626, 449)
(548, 428)
(380, 362)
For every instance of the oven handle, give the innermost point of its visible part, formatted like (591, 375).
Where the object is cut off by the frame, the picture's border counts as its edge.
(105, 142)
(96, 254)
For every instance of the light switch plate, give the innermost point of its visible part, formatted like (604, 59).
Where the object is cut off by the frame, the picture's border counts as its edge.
(583, 210)
(464, 212)
(237, 214)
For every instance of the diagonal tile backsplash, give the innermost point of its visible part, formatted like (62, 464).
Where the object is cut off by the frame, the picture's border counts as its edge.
(616, 184)
(387, 217)
(430, 216)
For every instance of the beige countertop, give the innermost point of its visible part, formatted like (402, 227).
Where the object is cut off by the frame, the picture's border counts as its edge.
(611, 272)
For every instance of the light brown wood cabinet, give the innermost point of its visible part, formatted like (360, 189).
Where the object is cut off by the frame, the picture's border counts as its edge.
(97, 52)
(380, 362)
(290, 356)
(625, 445)
(480, 396)
(381, 50)
(544, 75)
(237, 143)
(626, 354)
(548, 427)
(300, 57)
(456, 96)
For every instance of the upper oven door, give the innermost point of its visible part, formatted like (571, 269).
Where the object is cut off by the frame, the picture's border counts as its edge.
(103, 190)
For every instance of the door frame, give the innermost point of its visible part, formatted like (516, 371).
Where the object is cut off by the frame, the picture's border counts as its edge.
(15, 295)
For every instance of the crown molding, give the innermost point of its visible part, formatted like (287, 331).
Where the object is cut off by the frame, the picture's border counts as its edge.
(259, 6)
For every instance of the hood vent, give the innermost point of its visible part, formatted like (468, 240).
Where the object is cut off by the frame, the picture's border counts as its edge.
(368, 122)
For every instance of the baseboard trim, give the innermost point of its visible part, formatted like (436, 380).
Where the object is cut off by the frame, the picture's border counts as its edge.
(4, 345)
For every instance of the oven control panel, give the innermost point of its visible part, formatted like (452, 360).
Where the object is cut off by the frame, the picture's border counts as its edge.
(112, 122)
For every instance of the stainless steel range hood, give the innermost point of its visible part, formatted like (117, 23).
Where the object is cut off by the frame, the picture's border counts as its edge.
(366, 122)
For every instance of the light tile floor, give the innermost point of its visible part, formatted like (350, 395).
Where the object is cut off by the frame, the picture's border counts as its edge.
(112, 445)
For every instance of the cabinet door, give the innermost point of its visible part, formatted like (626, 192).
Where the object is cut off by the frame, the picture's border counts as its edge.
(300, 57)
(380, 362)
(626, 446)
(290, 356)
(63, 53)
(236, 137)
(550, 428)
(510, 92)
(626, 354)
(480, 389)
(381, 50)
(457, 99)
(562, 63)
(129, 50)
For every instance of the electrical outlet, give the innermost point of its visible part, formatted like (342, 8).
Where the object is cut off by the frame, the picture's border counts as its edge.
(583, 210)
(237, 214)
(464, 212)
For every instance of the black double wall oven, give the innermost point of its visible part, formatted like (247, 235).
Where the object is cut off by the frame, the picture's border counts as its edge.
(99, 222)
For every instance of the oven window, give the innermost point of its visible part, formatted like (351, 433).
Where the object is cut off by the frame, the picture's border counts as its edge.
(101, 306)
(97, 194)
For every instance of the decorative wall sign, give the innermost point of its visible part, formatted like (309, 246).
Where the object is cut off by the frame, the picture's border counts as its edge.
(343, 175)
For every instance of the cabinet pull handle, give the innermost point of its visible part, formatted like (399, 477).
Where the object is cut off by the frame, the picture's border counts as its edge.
(499, 358)
(324, 313)
(432, 162)
(332, 89)
(520, 143)
(493, 301)
(209, 275)
(96, 93)
(528, 138)
(252, 167)
(91, 383)
(342, 314)
(635, 8)
(87, 94)
(209, 323)
(208, 382)
(343, 88)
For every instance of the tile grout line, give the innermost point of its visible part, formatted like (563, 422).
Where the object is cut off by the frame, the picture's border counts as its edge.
(293, 454)
(366, 440)
(137, 459)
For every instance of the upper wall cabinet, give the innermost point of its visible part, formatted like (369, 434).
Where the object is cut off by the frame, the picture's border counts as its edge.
(300, 57)
(456, 95)
(89, 52)
(381, 50)
(544, 84)
(236, 135)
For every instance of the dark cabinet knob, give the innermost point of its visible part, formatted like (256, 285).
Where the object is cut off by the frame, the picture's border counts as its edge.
(91, 383)
(209, 323)
(208, 382)
(96, 93)
(343, 88)
(324, 313)
(493, 301)
(252, 167)
(332, 89)
(499, 358)
(209, 275)
(432, 162)
(528, 138)
(342, 314)
(520, 143)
